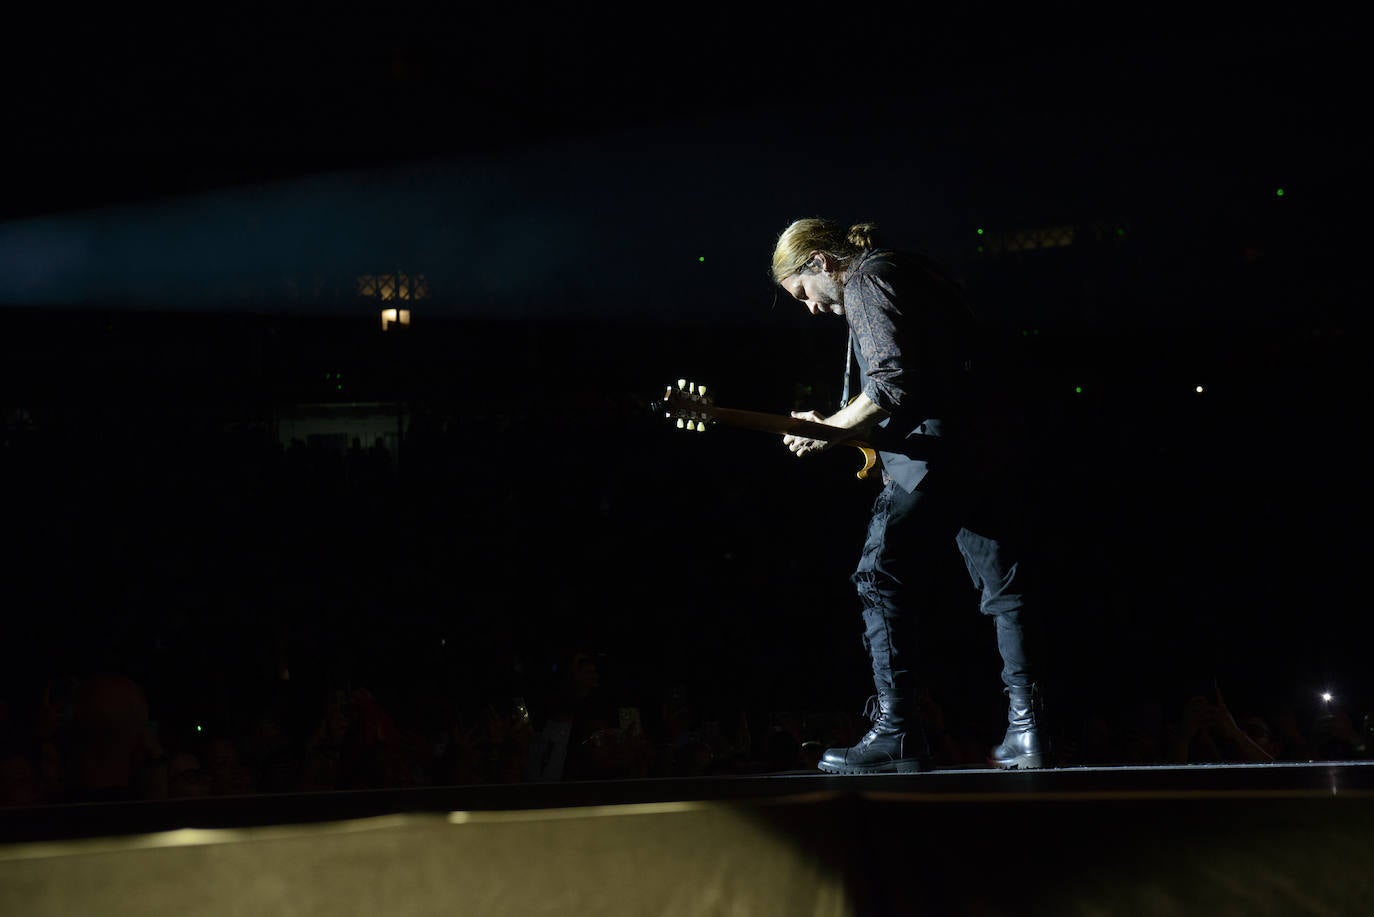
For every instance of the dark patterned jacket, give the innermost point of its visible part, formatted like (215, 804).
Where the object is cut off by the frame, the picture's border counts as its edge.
(913, 338)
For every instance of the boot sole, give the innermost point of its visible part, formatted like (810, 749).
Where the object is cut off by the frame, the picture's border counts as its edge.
(1022, 762)
(892, 767)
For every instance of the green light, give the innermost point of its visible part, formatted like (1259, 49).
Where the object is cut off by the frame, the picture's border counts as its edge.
(979, 230)
(199, 728)
(1278, 193)
(1078, 389)
(339, 387)
(700, 258)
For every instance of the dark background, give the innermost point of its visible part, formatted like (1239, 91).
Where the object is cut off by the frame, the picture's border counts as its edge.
(593, 198)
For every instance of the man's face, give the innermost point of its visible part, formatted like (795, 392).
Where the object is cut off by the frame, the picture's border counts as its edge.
(818, 289)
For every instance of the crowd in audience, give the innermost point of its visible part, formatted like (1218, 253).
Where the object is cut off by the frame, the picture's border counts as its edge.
(103, 736)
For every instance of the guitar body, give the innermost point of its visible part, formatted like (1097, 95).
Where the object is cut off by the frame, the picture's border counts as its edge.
(870, 456)
(688, 404)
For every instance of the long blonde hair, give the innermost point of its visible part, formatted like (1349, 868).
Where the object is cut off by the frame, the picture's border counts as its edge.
(814, 234)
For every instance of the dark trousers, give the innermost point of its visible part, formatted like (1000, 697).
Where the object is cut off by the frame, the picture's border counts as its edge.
(910, 536)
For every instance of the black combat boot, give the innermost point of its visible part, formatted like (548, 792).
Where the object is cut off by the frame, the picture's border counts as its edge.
(895, 745)
(1025, 744)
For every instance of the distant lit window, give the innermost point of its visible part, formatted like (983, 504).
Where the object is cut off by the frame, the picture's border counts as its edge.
(389, 287)
(1026, 240)
(395, 317)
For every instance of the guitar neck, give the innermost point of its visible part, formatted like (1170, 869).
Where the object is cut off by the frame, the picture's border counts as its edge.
(780, 424)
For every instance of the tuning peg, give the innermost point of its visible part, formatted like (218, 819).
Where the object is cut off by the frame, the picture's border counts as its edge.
(701, 426)
(682, 383)
(680, 424)
(701, 391)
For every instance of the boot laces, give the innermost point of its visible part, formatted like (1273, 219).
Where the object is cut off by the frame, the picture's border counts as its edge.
(871, 709)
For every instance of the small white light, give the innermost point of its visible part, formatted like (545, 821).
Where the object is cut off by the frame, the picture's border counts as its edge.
(1199, 389)
(1326, 696)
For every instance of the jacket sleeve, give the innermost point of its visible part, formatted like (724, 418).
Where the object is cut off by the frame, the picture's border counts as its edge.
(876, 319)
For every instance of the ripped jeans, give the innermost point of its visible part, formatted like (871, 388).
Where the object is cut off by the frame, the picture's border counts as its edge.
(909, 536)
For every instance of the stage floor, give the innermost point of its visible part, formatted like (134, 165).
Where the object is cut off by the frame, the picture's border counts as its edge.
(1248, 840)
(1317, 779)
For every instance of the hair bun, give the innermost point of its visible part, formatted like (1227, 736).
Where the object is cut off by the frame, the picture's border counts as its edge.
(861, 235)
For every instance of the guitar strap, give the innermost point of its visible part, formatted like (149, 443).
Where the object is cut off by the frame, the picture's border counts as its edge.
(848, 363)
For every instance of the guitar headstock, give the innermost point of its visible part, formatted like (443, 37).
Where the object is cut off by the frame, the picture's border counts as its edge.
(688, 404)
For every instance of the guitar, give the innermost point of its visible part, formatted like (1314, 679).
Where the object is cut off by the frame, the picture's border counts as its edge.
(689, 405)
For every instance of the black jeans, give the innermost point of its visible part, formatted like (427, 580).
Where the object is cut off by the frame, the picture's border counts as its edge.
(909, 536)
